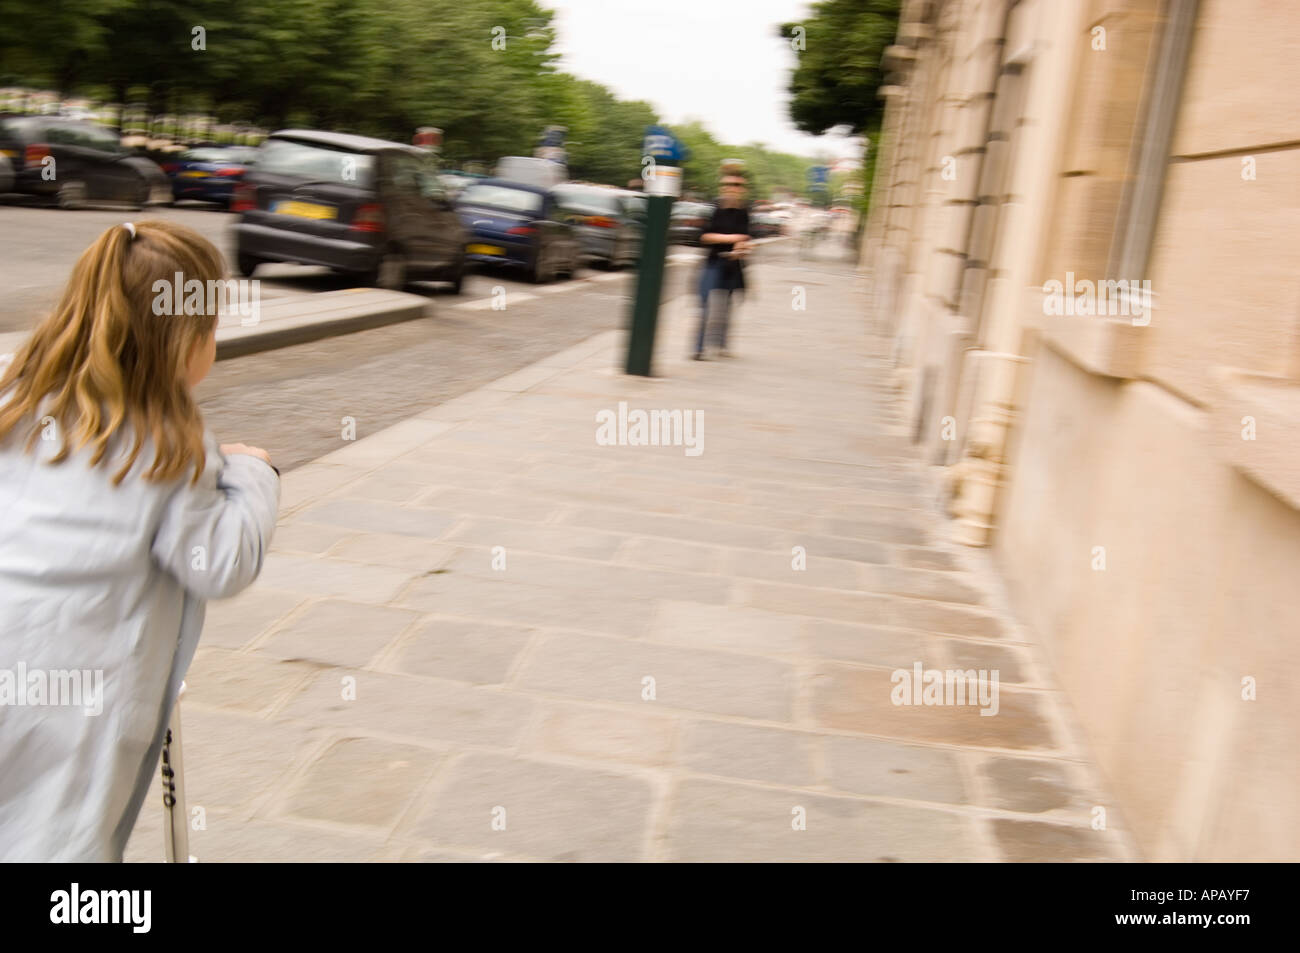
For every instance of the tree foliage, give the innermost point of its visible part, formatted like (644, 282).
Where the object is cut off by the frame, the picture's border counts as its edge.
(839, 69)
(484, 71)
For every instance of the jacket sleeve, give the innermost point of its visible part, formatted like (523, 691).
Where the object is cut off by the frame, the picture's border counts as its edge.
(214, 534)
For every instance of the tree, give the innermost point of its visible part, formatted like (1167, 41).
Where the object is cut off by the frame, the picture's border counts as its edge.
(839, 69)
(52, 42)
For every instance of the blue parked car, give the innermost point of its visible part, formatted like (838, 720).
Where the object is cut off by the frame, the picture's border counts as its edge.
(518, 225)
(209, 174)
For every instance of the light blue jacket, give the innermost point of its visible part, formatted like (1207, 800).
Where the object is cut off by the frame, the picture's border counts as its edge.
(96, 578)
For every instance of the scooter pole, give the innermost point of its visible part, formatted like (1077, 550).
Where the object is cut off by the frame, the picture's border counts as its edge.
(176, 834)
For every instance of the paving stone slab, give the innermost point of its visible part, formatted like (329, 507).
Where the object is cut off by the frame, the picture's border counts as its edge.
(548, 811)
(719, 822)
(797, 567)
(637, 736)
(304, 537)
(233, 760)
(1034, 785)
(532, 537)
(858, 607)
(888, 769)
(672, 554)
(751, 752)
(731, 628)
(913, 557)
(505, 601)
(612, 670)
(559, 573)
(870, 645)
(323, 576)
(674, 527)
(361, 781)
(475, 652)
(336, 632)
(859, 700)
(233, 623)
(410, 553)
(417, 709)
(371, 516)
(1012, 663)
(235, 839)
(241, 681)
(948, 619)
(1036, 842)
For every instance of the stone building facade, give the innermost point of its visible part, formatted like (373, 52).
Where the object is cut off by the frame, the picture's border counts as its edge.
(1083, 246)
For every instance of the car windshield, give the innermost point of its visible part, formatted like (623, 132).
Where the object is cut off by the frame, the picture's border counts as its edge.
(501, 197)
(593, 201)
(317, 163)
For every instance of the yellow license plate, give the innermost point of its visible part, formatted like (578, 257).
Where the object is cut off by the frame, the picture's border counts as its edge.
(485, 250)
(306, 210)
(193, 175)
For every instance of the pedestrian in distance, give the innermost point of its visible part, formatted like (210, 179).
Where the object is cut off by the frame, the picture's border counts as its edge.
(727, 239)
(122, 516)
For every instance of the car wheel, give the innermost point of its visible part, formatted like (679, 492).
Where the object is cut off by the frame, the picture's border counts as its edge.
(72, 194)
(245, 264)
(544, 266)
(141, 197)
(390, 273)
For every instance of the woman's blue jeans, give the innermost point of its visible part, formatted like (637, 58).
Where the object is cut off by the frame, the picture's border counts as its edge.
(710, 282)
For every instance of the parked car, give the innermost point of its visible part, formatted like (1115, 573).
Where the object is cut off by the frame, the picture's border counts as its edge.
(765, 224)
(367, 207)
(519, 225)
(78, 163)
(609, 222)
(687, 221)
(209, 174)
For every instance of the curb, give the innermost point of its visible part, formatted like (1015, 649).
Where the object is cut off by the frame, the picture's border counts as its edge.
(331, 313)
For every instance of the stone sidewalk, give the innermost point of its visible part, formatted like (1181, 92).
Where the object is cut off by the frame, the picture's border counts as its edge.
(481, 618)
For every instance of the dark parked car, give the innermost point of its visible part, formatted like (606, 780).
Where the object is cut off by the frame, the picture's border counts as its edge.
(368, 207)
(609, 222)
(209, 174)
(687, 221)
(78, 163)
(511, 223)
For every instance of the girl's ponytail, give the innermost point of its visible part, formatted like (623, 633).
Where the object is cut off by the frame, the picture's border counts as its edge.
(104, 358)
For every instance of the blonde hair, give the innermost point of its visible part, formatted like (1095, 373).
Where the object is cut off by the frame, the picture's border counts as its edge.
(104, 361)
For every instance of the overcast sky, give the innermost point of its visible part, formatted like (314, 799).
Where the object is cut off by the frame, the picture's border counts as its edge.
(719, 61)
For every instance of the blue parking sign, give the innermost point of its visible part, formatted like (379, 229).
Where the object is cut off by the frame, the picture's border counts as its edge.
(662, 145)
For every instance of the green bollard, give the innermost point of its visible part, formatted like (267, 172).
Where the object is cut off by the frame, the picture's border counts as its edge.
(649, 285)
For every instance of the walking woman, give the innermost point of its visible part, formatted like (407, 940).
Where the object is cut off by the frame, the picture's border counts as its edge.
(727, 238)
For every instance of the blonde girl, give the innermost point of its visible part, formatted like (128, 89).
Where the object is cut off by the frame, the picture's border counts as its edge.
(119, 517)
